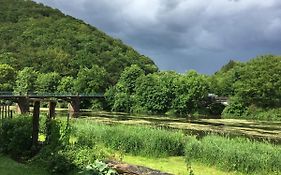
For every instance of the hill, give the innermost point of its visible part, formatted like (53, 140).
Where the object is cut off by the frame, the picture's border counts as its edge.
(37, 36)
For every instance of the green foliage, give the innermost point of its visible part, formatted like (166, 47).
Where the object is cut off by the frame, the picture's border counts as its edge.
(120, 97)
(254, 112)
(7, 77)
(128, 78)
(254, 83)
(222, 82)
(99, 168)
(159, 92)
(236, 154)
(16, 137)
(97, 105)
(25, 81)
(66, 85)
(47, 82)
(235, 109)
(92, 80)
(52, 155)
(33, 35)
(130, 139)
(260, 82)
(192, 90)
(155, 92)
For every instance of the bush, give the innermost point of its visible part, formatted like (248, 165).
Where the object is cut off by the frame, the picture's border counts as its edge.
(236, 154)
(256, 113)
(131, 139)
(235, 109)
(16, 137)
(99, 168)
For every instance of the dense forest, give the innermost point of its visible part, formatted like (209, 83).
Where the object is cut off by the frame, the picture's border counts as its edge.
(47, 41)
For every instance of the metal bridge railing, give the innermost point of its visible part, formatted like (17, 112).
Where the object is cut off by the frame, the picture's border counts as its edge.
(46, 94)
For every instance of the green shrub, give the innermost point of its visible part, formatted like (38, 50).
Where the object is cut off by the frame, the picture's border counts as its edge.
(138, 140)
(16, 136)
(256, 113)
(235, 109)
(236, 154)
(98, 168)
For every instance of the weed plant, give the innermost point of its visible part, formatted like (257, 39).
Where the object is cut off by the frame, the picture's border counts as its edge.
(235, 154)
(137, 140)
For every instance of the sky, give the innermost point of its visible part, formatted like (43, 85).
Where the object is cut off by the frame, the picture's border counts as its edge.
(185, 34)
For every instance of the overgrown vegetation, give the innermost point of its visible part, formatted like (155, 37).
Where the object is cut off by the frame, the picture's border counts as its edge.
(77, 148)
(137, 140)
(16, 137)
(235, 154)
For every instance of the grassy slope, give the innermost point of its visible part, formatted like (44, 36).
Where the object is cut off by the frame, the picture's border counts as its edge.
(175, 165)
(10, 167)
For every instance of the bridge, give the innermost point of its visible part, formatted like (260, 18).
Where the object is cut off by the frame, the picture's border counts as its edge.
(23, 100)
(23, 106)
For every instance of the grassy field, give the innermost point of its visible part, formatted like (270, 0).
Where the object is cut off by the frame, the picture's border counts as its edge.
(149, 145)
(11, 167)
(228, 153)
(175, 165)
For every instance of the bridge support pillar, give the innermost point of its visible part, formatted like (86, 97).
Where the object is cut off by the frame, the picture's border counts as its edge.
(74, 107)
(52, 109)
(22, 105)
(35, 123)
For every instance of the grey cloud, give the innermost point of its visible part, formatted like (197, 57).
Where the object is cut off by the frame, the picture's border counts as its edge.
(186, 34)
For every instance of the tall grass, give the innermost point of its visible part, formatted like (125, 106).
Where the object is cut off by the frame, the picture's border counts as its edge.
(137, 140)
(236, 154)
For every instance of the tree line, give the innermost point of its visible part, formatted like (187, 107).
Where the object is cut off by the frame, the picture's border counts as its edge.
(253, 89)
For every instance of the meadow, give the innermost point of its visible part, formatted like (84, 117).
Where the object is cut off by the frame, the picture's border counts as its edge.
(227, 153)
(71, 148)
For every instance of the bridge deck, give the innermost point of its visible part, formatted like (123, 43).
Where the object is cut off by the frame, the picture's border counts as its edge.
(11, 95)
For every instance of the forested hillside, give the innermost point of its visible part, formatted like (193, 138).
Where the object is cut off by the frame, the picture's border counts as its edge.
(36, 36)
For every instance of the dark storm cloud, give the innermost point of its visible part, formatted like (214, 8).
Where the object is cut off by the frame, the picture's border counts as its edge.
(186, 34)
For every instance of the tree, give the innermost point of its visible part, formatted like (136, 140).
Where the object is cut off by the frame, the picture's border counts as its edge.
(7, 77)
(260, 82)
(66, 85)
(155, 92)
(121, 95)
(25, 81)
(47, 83)
(192, 89)
(93, 80)
(222, 82)
(129, 77)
